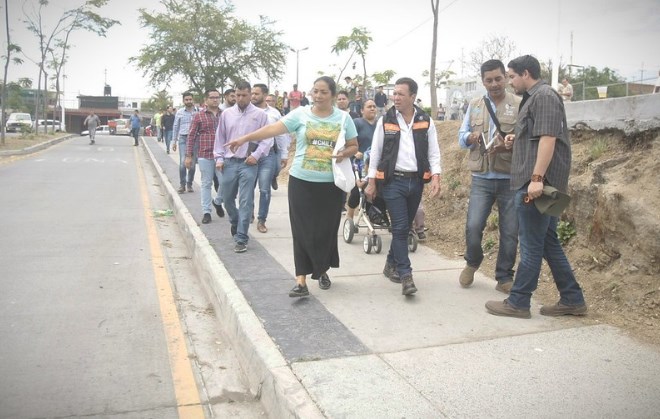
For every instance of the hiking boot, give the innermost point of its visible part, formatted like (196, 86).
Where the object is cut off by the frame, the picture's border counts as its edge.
(218, 209)
(503, 308)
(261, 227)
(240, 248)
(206, 218)
(190, 188)
(504, 286)
(181, 189)
(407, 285)
(299, 291)
(467, 276)
(390, 272)
(560, 309)
(324, 282)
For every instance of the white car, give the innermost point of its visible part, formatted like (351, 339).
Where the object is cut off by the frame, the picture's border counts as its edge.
(50, 124)
(17, 121)
(100, 130)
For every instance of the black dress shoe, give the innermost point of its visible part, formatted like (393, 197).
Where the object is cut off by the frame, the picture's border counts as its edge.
(218, 209)
(206, 218)
(299, 291)
(324, 282)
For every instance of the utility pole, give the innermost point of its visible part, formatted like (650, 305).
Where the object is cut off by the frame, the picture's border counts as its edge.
(297, 51)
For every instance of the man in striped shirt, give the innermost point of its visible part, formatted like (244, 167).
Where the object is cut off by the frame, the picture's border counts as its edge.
(201, 137)
(541, 155)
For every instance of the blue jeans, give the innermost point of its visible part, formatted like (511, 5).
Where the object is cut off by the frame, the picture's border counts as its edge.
(238, 179)
(168, 139)
(538, 240)
(207, 168)
(182, 167)
(402, 197)
(483, 194)
(267, 167)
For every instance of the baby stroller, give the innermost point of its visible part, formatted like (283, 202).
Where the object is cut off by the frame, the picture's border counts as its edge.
(373, 217)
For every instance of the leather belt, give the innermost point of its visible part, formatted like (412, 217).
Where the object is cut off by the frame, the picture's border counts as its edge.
(405, 174)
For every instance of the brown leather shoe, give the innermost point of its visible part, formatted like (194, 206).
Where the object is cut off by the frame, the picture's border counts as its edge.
(467, 276)
(502, 308)
(504, 287)
(560, 309)
(261, 227)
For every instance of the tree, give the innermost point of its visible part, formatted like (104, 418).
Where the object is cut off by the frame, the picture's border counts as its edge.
(358, 43)
(4, 93)
(208, 46)
(82, 17)
(434, 48)
(383, 77)
(494, 48)
(589, 78)
(160, 100)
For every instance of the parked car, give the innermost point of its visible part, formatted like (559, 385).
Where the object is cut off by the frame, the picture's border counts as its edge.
(119, 126)
(100, 130)
(17, 121)
(50, 123)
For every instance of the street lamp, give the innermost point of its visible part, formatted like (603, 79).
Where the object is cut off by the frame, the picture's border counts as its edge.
(297, 51)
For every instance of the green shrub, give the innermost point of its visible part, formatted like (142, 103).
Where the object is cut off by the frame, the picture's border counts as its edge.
(598, 148)
(565, 231)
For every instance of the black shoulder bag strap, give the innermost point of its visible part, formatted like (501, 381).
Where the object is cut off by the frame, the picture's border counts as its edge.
(493, 116)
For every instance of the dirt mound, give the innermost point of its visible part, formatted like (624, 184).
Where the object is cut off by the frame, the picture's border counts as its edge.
(612, 225)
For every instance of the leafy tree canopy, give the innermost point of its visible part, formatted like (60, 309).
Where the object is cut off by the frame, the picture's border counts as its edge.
(208, 46)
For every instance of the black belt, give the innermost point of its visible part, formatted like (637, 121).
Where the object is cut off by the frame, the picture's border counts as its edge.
(238, 158)
(405, 174)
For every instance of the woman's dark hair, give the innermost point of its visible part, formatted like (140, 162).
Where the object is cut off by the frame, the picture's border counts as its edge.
(330, 82)
(526, 62)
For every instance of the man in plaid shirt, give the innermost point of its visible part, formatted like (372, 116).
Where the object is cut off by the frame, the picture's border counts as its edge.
(202, 137)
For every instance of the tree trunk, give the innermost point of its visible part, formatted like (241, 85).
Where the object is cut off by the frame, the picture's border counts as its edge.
(434, 91)
(4, 80)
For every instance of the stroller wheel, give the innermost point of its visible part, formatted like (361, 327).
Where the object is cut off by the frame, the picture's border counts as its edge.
(378, 244)
(366, 244)
(412, 242)
(349, 230)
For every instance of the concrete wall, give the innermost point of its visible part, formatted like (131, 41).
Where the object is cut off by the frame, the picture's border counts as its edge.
(629, 114)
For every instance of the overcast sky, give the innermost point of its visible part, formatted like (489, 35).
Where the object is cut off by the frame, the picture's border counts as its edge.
(619, 34)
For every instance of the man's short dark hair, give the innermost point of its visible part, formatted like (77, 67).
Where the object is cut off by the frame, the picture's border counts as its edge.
(206, 93)
(262, 87)
(186, 94)
(491, 65)
(526, 62)
(243, 85)
(229, 92)
(412, 84)
(342, 92)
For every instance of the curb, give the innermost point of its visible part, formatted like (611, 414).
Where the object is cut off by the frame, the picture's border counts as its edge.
(36, 147)
(269, 376)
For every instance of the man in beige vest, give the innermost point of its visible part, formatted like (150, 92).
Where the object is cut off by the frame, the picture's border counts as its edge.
(490, 163)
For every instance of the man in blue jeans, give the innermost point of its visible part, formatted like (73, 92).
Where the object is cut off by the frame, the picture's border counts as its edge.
(239, 168)
(541, 155)
(268, 165)
(180, 130)
(491, 174)
(135, 126)
(404, 155)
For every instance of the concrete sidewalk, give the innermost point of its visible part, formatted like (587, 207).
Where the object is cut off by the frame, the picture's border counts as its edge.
(362, 350)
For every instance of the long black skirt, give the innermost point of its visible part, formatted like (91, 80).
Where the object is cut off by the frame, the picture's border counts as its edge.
(315, 214)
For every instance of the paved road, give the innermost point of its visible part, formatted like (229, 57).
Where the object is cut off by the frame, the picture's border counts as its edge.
(362, 350)
(88, 317)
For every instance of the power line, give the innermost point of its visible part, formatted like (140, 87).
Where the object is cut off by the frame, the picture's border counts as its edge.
(420, 25)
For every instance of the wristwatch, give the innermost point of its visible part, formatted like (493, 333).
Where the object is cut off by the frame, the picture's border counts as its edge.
(537, 178)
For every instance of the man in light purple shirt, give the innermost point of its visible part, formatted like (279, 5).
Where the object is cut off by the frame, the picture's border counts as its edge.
(240, 168)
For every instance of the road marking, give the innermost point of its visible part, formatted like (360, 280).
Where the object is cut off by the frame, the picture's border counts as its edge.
(185, 387)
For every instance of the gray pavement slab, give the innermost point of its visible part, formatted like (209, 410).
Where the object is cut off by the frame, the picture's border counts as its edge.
(437, 354)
